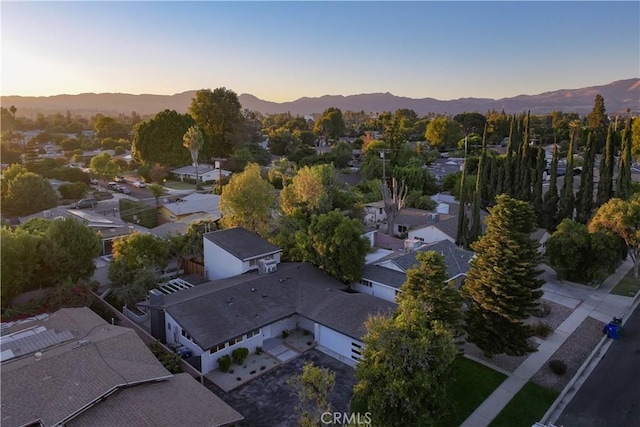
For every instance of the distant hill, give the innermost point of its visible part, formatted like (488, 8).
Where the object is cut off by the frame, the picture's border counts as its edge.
(618, 96)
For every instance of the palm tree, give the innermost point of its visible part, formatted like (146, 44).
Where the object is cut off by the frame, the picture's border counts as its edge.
(193, 141)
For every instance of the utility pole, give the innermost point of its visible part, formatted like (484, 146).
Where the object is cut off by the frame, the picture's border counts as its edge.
(384, 161)
(218, 165)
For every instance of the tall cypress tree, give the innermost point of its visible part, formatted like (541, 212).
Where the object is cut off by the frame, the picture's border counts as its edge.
(584, 205)
(598, 122)
(476, 225)
(605, 184)
(536, 197)
(463, 222)
(550, 201)
(502, 288)
(524, 165)
(507, 182)
(623, 182)
(567, 198)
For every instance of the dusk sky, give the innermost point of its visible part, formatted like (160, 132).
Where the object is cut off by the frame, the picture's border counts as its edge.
(286, 50)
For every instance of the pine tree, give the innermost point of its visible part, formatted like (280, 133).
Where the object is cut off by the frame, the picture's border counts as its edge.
(550, 201)
(584, 205)
(605, 184)
(502, 288)
(598, 122)
(541, 163)
(427, 283)
(623, 182)
(567, 198)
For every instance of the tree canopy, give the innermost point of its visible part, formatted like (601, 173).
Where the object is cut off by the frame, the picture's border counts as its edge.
(247, 201)
(159, 140)
(26, 193)
(103, 167)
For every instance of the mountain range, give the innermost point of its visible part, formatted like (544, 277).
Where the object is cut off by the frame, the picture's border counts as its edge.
(619, 96)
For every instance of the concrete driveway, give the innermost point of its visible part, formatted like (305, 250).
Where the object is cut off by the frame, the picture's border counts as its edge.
(269, 401)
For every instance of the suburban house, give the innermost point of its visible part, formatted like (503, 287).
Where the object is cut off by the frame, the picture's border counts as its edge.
(215, 318)
(72, 368)
(374, 213)
(384, 278)
(235, 251)
(192, 207)
(206, 173)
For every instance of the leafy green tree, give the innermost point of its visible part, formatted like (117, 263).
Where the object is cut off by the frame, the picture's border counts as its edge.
(219, 113)
(623, 181)
(549, 219)
(330, 123)
(131, 285)
(28, 193)
(578, 255)
(75, 190)
(622, 218)
(437, 132)
(605, 184)
(313, 387)
(280, 140)
(416, 200)
(247, 201)
(71, 250)
(19, 264)
(335, 244)
(193, 141)
(138, 250)
(471, 122)
(156, 190)
(311, 190)
(405, 369)
(427, 283)
(160, 139)
(635, 139)
(502, 288)
(103, 167)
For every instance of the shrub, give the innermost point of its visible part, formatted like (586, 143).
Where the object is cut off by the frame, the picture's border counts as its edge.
(543, 310)
(541, 329)
(252, 372)
(239, 355)
(262, 368)
(285, 333)
(224, 363)
(558, 367)
(258, 350)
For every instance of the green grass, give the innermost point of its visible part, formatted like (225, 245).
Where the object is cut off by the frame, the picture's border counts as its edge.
(627, 286)
(527, 407)
(472, 384)
(178, 185)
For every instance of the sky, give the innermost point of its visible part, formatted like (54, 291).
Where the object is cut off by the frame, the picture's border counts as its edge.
(281, 51)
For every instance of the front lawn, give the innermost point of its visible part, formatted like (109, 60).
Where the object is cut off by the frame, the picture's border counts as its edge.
(472, 384)
(627, 286)
(527, 407)
(179, 185)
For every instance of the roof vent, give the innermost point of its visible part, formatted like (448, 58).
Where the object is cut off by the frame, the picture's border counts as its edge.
(253, 289)
(37, 355)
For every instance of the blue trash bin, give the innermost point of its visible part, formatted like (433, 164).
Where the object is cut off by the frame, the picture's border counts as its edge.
(613, 330)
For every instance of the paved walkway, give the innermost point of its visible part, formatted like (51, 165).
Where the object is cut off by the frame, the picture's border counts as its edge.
(595, 303)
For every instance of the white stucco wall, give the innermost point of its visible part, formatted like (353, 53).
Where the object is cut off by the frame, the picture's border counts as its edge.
(174, 335)
(219, 263)
(429, 234)
(377, 290)
(253, 264)
(335, 341)
(209, 360)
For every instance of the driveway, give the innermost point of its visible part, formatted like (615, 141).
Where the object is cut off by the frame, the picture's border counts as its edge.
(269, 401)
(611, 394)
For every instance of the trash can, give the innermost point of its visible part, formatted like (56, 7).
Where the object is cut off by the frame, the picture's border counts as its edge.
(613, 330)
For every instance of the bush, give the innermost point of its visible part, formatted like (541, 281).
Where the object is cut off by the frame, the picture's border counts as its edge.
(541, 330)
(171, 361)
(258, 350)
(75, 190)
(224, 363)
(558, 367)
(543, 310)
(239, 355)
(285, 333)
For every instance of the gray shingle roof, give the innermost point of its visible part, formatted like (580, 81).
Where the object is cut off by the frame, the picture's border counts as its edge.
(456, 258)
(241, 243)
(178, 401)
(384, 275)
(218, 311)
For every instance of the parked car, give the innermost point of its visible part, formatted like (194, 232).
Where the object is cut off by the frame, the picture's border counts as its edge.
(139, 184)
(120, 179)
(113, 185)
(123, 189)
(85, 203)
(184, 352)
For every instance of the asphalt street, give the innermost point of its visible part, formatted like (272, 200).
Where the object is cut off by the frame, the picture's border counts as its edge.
(611, 394)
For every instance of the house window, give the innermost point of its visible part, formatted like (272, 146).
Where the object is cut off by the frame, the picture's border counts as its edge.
(217, 348)
(186, 335)
(419, 238)
(235, 341)
(380, 211)
(402, 228)
(366, 282)
(253, 262)
(169, 326)
(253, 333)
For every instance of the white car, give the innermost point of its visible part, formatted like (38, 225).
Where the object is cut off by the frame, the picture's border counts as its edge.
(139, 184)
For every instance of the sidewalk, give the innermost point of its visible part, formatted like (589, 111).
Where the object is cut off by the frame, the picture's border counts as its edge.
(597, 303)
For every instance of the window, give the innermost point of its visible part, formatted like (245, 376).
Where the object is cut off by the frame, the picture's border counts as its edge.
(169, 326)
(186, 335)
(253, 262)
(253, 333)
(402, 229)
(419, 238)
(235, 341)
(218, 347)
(366, 282)
(380, 211)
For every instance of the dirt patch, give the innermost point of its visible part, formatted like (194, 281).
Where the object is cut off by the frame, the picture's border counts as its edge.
(573, 352)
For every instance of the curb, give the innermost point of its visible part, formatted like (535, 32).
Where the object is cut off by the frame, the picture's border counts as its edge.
(552, 413)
